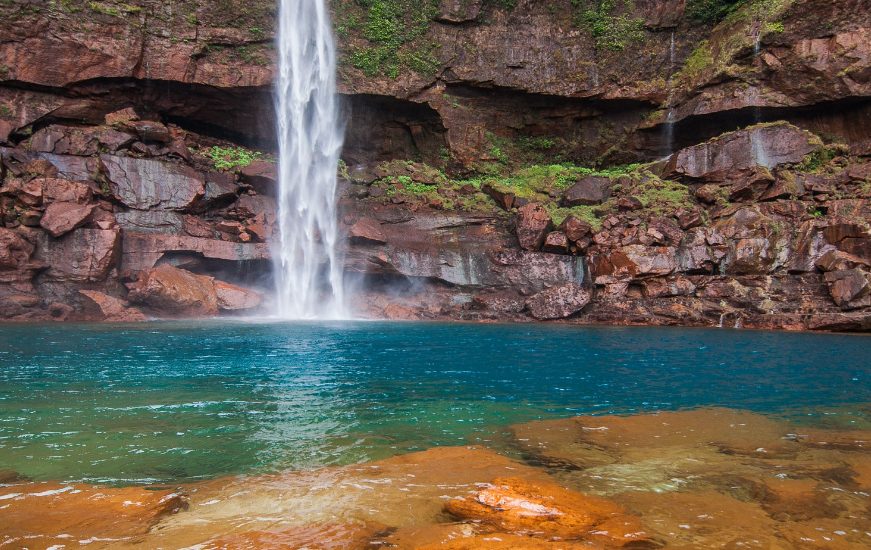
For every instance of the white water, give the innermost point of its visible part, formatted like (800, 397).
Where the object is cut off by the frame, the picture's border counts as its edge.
(308, 264)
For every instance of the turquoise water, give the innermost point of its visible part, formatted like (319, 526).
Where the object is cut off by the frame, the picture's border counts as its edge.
(178, 401)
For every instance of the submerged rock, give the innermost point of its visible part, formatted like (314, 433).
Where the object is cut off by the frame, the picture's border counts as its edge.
(548, 511)
(55, 514)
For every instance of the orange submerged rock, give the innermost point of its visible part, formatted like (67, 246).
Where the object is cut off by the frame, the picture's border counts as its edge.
(546, 509)
(49, 513)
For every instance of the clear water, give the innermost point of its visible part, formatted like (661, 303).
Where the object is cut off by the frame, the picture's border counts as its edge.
(177, 401)
(308, 267)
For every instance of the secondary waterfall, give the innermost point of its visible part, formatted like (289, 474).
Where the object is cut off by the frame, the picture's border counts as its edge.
(308, 266)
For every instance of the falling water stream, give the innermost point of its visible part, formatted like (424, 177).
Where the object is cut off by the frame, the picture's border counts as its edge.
(308, 264)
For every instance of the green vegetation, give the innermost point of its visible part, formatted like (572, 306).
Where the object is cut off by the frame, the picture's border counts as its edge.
(394, 31)
(820, 159)
(115, 9)
(710, 12)
(228, 158)
(610, 31)
(418, 183)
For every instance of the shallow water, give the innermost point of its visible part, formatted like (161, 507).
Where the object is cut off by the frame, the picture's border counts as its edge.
(396, 435)
(180, 401)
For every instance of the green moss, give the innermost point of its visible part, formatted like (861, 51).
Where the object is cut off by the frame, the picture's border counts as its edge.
(662, 197)
(710, 12)
(774, 27)
(589, 214)
(115, 9)
(610, 31)
(393, 31)
(817, 160)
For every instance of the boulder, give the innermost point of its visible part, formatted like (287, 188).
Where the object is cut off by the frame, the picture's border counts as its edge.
(113, 309)
(145, 184)
(556, 243)
(262, 175)
(367, 230)
(533, 225)
(503, 198)
(62, 217)
(175, 291)
(588, 191)
(558, 302)
(850, 288)
(236, 298)
(575, 229)
(766, 145)
(149, 130)
(220, 190)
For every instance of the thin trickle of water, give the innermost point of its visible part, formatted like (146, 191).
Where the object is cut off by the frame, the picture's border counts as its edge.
(668, 127)
(308, 264)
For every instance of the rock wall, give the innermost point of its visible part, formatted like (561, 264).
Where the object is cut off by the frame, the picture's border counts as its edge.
(113, 117)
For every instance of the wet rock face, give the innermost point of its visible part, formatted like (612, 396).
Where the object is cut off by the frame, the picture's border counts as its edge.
(761, 146)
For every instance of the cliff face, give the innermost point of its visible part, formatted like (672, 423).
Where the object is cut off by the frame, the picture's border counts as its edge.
(122, 127)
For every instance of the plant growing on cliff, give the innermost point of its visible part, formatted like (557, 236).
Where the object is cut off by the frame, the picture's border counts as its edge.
(710, 12)
(609, 31)
(228, 158)
(393, 29)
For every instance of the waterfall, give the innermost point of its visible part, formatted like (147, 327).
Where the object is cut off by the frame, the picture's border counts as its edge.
(308, 263)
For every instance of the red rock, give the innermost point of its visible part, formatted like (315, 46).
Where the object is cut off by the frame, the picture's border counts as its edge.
(82, 255)
(122, 117)
(629, 204)
(113, 309)
(30, 218)
(556, 243)
(709, 193)
(236, 298)
(15, 251)
(504, 199)
(151, 184)
(262, 175)
(575, 229)
(533, 224)
(558, 302)
(767, 145)
(837, 260)
(28, 192)
(367, 230)
(62, 190)
(588, 191)
(850, 288)
(175, 291)
(149, 130)
(62, 217)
